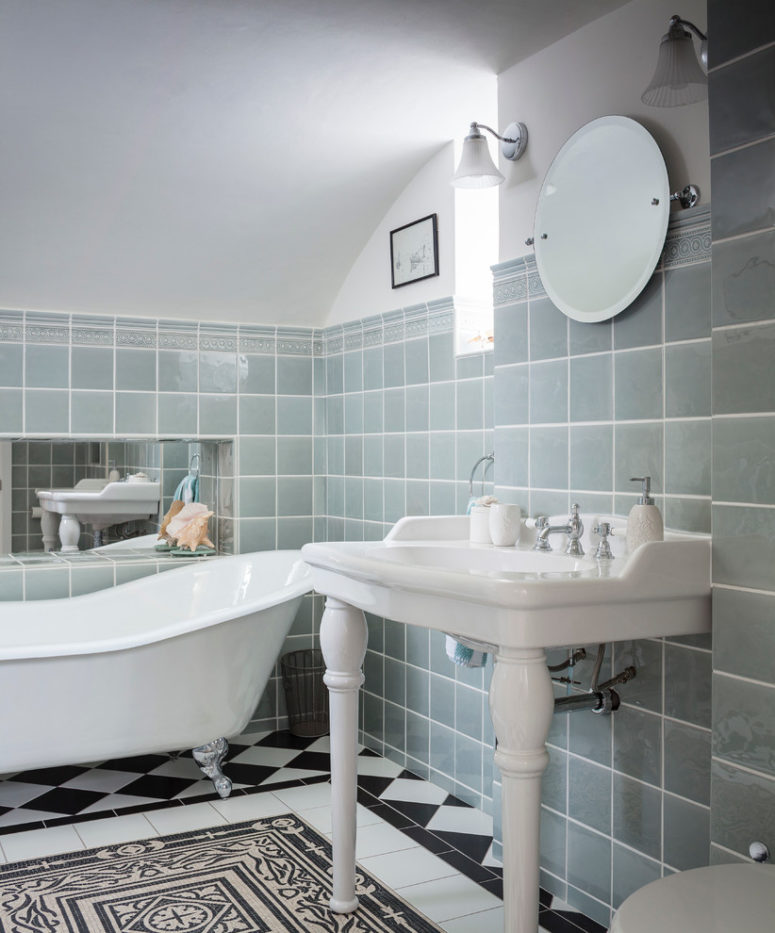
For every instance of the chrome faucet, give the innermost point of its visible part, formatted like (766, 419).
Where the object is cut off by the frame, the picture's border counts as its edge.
(574, 530)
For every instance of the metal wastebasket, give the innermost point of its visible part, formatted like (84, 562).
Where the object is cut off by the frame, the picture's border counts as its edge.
(306, 696)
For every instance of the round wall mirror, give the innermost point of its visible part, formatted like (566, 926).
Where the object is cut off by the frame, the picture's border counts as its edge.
(601, 218)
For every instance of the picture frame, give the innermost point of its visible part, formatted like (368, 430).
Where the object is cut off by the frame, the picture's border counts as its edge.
(414, 251)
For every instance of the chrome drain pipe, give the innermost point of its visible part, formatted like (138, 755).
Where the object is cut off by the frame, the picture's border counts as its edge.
(599, 701)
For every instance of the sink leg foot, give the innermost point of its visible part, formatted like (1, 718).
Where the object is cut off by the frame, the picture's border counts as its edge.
(521, 706)
(209, 757)
(69, 532)
(343, 636)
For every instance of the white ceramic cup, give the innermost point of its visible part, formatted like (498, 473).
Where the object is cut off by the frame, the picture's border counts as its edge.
(505, 522)
(480, 524)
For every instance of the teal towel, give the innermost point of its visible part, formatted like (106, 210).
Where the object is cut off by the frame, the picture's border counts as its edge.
(463, 655)
(188, 489)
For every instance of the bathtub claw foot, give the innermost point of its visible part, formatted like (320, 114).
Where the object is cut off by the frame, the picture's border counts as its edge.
(209, 757)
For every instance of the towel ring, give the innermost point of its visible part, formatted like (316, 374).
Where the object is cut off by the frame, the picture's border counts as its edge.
(191, 468)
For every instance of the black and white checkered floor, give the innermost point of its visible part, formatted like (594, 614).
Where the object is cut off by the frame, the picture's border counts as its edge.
(445, 826)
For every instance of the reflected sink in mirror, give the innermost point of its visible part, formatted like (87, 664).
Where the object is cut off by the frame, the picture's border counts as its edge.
(101, 503)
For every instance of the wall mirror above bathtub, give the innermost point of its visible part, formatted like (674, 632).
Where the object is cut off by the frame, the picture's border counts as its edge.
(61, 463)
(601, 218)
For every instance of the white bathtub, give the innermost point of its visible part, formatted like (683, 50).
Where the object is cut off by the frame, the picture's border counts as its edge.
(167, 662)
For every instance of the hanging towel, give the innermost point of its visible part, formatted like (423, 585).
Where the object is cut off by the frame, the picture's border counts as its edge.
(463, 655)
(188, 489)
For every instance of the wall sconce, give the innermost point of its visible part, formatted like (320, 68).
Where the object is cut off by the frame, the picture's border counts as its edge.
(678, 78)
(476, 168)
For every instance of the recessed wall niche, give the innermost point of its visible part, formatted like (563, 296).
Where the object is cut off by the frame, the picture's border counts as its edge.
(39, 464)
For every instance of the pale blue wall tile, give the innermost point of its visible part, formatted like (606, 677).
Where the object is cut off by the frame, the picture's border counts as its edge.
(393, 364)
(11, 406)
(589, 794)
(638, 453)
(591, 388)
(640, 325)
(549, 458)
(744, 546)
(637, 815)
(417, 402)
(589, 861)
(256, 372)
(136, 370)
(416, 361)
(294, 415)
(638, 743)
(744, 279)
(591, 456)
(548, 392)
(46, 411)
(744, 634)
(353, 371)
(217, 371)
(512, 395)
(687, 457)
(744, 723)
(92, 413)
(442, 407)
(638, 378)
(11, 364)
(688, 684)
(631, 871)
(294, 375)
(257, 456)
(46, 367)
(548, 330)
(470, 404)
(372, 368)
(687, 833)
(177, 413)
(511, 342)
(589, 338)
(218, 415)
(687, 761)
(92, 368)
(744, 460)
(736, 795)
(743, 190)
(688, 380)
(687, 302)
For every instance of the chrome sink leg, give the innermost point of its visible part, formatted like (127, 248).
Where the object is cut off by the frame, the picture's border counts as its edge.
(343, 636)
(521, 706)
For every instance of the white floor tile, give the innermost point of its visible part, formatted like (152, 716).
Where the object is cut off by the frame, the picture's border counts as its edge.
(17, 793)
(270, 757)
(250, 807)
(114, 830)
(461, 820)
(320, 817)
(103, 781)
(38, 843)
(179, 767)
(202, 787)
(185, 819)
(306, 797)
(380, 839)
(118, 802)
(448, 898)
(487, 921)
(416, 791)
(291, 774)
(378, 767)
(410, 866)
(14, 817)
(249, 738)
(323, 744)
(491, 861)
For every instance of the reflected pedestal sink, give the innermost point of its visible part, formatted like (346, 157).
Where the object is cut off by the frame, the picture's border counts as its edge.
(98, 503)
(517, 601)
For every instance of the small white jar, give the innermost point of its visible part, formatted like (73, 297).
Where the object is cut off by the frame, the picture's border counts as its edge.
(480, 525)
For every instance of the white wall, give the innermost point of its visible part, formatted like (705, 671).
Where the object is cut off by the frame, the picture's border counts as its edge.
(367, 289)
(598, 70)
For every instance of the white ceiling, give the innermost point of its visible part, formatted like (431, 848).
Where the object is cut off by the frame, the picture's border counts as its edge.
(228, 159)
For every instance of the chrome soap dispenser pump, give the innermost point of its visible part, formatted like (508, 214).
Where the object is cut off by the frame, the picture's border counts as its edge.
(644, 522)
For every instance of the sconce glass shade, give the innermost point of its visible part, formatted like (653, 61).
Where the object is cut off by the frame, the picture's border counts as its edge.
(476, 168)
(678, 78)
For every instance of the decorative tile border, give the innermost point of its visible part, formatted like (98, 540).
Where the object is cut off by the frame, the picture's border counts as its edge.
(136, 332)
(12, 326)
(178, 335)
(218, 337)
(257, 339)
(46, 328)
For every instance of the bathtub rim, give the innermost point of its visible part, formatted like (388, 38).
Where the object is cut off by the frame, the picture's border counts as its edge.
(299, 583)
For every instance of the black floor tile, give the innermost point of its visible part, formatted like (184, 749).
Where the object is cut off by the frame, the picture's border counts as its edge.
(494, 887)
(285, 739)
(244, 773)
(51, 776)
(389, 815)
(475, 847)
(64, 800)
(409, 775)
(23, 827)
(142, 764)
(374, 785)
(580, 922)
(311, 761)
(554, 922)
(426, 839)
(157, 786)
(466, 866)
(452, 801)
(419, 813)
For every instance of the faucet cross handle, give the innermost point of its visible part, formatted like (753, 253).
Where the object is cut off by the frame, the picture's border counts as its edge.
(603, 549)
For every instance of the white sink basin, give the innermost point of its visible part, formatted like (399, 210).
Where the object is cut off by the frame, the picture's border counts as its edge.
(100, 503)
(426, 573)
(517, 602)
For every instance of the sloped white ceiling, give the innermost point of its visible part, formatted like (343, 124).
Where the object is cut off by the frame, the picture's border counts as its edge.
(228, 159)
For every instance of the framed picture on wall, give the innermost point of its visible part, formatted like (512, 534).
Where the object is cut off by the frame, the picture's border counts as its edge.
(414, 251)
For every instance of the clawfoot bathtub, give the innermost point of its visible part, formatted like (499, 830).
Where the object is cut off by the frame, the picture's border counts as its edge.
(177, 660)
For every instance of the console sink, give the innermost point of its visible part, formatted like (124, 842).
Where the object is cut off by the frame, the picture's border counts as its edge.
(426, 573)
(517, 602)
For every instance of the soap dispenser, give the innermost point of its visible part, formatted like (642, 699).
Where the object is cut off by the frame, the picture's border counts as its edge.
(645, 521)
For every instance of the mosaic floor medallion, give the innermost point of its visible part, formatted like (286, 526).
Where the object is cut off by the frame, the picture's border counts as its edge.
(255, 877)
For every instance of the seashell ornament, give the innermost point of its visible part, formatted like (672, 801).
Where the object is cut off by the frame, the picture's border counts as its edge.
(194, 533)
(176, 506)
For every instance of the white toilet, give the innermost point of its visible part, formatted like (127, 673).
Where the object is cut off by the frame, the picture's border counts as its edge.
(717, 899)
